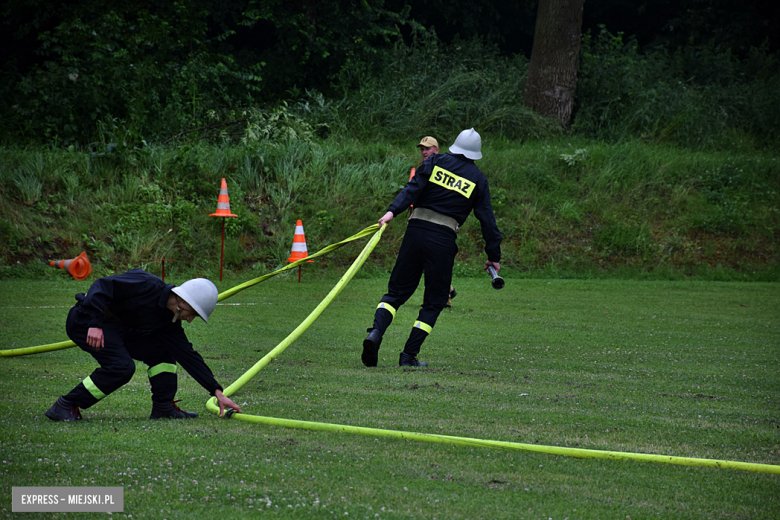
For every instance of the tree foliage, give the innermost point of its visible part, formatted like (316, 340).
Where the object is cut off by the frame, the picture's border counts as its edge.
(695, 95)
(150, 67)
(75, 71)
(156, 67)
(307, 43)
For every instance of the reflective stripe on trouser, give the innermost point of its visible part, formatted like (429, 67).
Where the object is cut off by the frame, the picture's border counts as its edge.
(162, 367)
(426, 247)
(419, 332)
(98, 385)
(383, 316)
(424, 326)
(389, 308)
(81, 397)
(116, 361)
(116, 366)
(162, 377)
(93, 389)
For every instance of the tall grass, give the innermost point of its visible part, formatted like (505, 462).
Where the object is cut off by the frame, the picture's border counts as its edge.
(566, 207)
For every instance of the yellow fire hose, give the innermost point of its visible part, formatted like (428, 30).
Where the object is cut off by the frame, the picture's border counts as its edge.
(212, 406)
(222, 296)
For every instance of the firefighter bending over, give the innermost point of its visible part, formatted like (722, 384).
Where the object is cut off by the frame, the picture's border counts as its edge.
(135, 315)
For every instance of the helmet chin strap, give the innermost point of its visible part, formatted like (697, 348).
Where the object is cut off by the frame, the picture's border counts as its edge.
(178, 311)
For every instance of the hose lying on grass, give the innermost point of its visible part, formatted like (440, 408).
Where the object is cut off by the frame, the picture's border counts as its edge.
(211, 405)
(222, 296)
(377, 432)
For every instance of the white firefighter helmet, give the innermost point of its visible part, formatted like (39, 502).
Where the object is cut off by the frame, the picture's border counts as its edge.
(468, 143)
(201, 294)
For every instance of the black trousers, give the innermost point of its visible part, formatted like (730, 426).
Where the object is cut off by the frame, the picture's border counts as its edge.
(429, 248)
(117, 367)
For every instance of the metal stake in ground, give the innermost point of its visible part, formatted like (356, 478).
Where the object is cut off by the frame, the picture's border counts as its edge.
(163, 260)
(223, 210)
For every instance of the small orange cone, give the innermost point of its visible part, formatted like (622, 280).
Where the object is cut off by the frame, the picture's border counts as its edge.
(223, 203)
(79, 267)
(299, 244)
(223, 210)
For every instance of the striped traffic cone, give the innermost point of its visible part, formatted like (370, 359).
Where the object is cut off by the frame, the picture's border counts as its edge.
(79, 267)
(299, 244)
(223, 203)
(223, 210)
(299, 250)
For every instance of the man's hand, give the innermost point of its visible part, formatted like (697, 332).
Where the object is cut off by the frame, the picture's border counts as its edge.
(95, 338)
(387, 217)
(225, 402)
(494, 264)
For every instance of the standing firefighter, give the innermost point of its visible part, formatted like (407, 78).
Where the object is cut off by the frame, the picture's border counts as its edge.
(444, 191)
(135, 315)
(429, 146)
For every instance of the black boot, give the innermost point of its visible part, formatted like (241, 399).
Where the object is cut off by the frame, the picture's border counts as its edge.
(371, 344)
(453, 294)
(64, 410)
(408, 360)
(169, 410)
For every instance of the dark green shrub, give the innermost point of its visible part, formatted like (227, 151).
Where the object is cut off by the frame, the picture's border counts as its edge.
(694, 95)
(144, 73)
(427, 87)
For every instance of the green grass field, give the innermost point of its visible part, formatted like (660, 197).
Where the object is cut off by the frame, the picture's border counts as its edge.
(671, 368)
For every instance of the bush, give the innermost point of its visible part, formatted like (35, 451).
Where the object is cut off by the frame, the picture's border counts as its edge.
(695, 96)
(428, 88)
(564, 206)
(146, 73)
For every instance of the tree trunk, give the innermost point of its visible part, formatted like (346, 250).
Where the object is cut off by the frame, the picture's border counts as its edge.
(552, 72)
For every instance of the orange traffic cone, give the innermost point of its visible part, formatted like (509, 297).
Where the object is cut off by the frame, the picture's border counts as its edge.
(299, 250)
(223, 203)
(223, 210)
(79, 267)
(299, 244)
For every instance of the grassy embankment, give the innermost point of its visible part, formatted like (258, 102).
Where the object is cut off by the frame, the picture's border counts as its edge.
(567, 206)
(675, 368)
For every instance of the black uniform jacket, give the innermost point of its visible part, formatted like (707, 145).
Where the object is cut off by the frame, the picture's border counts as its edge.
(137, 300)
(453, 185)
